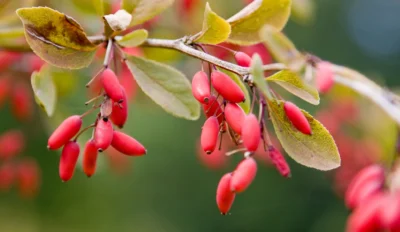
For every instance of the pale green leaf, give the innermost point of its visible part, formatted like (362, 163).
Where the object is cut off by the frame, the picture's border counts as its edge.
(133, 39)
(247, 23)
(118, 21)
(281, 48)
(317, 151)
(143, 10)
(166, 86)
(295, 85)
(215, 29)
(246, 105)
(56, 38)
(44, 90)
(257, 74)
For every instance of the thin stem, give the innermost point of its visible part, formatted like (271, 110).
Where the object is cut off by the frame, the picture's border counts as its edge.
(120, 52)
(235, 151)
(83, 130)
(94, 78)
(108, 53)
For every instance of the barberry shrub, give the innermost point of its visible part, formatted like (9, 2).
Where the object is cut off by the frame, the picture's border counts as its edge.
(238, 99)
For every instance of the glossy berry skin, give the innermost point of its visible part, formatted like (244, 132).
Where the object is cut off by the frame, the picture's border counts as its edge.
(103, 134)
(234, 116)
(243, 175)
(11, 144)
(119, 113)
(64, 132)
(243, 59)
(366, 183)
(324, 77)
(201, 87)
(127, 145)
(251, 133)
(226, 87)
(21, 102)
(69, 157)
(209, 135)
(225, 196)
(297, 118)
(279, 162)
(90, 158)
(111, 85)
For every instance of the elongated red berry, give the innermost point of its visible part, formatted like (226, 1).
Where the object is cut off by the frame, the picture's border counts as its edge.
(279, 161)
(64, 132)
(243, 59)
(119, 113)
(390, 211)
(367, 182)
(103, 134)
(251, 133)
(226, 87)
(225, 196)
(209, 135)
(127, 145)
(28, 176)
(243, 175)
(68, 159)
(201, 87)
(234, 116)
(111, 85)
(90, 158)
(11, 144)
(297, 118)
(21, 102)
(324, 77)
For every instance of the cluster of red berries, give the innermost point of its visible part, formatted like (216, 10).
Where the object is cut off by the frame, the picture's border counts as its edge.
(244, 129)
(113, 110)
(374, 207)
(23, 172)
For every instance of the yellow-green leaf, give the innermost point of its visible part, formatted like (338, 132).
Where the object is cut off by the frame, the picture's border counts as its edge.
(295, 85)
(99, 6)
(215, 29)
(13, 39)
(247, 23)
(257, 74)
(56, 38)
(133, 39)
(166, 86)
(44, 89)
(315, 151)
(143, 10)
(246, 105)
(281, 48)
(303, 11)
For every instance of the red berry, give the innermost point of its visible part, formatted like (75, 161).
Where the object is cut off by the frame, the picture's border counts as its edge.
(297, 118)
(225, 196)
(261, 50)
(90, 158)
(111, 85)
(21, 102)
(243, 175)
(127, 145)
(213, 108)
(279, 162)
(64, 132)
(103, 134)
(365, 184)
(7, 176)
(201, 87)
(8, 58)
(11, 144)
(119, 113)
(225, 86)
(243, 59)
(324, 77)
(28, 175)
(69, 157)
(209, 135)
(390, 211)
(5, 85)
(234, 116)
(251, 133)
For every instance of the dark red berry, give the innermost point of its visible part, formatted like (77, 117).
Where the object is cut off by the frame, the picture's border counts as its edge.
(297, 118)
(243, 175)
(201, 87)
(119, 113)
(251, 133)
(64, 132)
(226, 87)
(225, 196)
(213, 108)
(279, 162)
(209, 135)
(69, 157)
(127, 145)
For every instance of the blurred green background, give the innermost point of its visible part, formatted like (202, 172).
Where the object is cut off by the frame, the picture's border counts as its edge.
(169, 189)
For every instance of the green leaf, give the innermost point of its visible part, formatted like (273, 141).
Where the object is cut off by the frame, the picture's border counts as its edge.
(246, 105)
(166, 86)
(44, 89)
(281, 48)
(118, 21)
(257, 74)
(247, 23)
(56, 38)
(133, 39)
(317, 151)
(143, 10)
(13, 39)
(215, 29)
(303, 11)
(295, 85)
(99, 6)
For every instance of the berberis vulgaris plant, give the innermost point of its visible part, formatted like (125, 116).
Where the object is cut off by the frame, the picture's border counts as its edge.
(237, 98)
